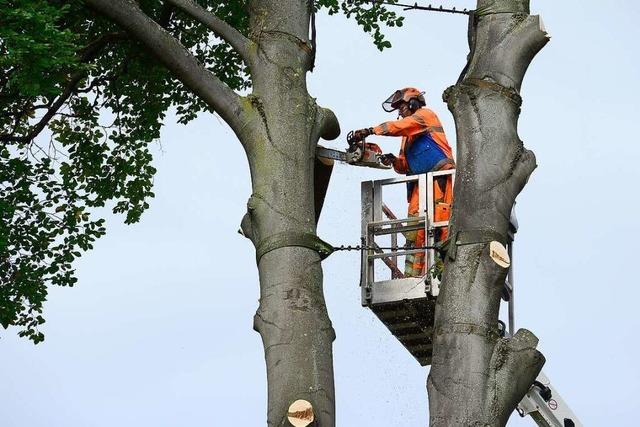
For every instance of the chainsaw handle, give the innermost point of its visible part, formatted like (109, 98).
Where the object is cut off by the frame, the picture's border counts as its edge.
(350, 137)
(355, 145)
(387, 159)
(361, 136)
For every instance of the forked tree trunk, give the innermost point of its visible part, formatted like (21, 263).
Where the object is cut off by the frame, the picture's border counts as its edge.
(477, 378)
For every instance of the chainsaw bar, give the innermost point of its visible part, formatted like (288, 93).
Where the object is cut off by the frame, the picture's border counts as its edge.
(367, 158)
(329, 153)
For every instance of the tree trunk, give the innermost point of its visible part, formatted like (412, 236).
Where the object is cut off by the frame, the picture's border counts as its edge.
(478, 378)
(292, 318)
(279, 126)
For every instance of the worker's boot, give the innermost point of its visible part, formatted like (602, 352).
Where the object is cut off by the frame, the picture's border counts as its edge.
(410, 260)
(409, 265)
(418, 259)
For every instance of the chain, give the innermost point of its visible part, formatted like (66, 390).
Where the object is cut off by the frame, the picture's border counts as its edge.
(416, 6)
(375, 248)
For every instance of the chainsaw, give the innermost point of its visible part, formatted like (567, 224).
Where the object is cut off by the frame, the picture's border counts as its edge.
(361, 153)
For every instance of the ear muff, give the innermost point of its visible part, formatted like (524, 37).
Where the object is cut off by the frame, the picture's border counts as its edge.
(412, 96)
(414, 104)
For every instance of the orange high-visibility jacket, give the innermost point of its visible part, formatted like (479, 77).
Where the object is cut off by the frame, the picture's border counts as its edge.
(419, 123)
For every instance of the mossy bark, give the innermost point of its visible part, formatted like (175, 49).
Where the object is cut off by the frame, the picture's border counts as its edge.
(292, 318)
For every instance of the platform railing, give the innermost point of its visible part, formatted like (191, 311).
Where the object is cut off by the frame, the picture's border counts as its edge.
(406, 305)
(379, 220)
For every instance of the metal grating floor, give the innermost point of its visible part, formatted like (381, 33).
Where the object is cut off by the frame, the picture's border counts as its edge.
(411, 322)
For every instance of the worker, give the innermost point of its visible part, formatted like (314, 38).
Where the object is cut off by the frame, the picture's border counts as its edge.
(424, 148)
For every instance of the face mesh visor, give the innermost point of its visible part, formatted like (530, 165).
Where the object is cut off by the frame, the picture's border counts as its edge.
(392, 102)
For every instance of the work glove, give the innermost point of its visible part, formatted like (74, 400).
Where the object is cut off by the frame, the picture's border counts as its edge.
(387, 159)
(359, 135)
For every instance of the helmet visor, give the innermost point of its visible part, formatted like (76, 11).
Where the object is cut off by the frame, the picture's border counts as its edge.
(392, 103)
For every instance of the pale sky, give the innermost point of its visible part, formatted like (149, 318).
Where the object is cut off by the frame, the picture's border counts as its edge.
(158, 330)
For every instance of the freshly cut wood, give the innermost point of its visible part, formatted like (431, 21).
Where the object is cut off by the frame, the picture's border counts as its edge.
(300, 413)
(499, 254)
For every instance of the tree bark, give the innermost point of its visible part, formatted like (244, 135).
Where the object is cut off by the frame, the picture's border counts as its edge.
(476, 377)
(279, 126)
(292, 318)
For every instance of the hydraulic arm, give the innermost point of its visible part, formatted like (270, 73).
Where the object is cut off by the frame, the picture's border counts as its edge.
(544, 404)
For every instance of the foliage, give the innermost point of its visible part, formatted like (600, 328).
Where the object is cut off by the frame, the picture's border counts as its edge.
(95, 148)
(80, 104)
(368, 14)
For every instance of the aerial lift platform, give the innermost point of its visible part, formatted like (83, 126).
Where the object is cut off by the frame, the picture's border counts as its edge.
(406, 305)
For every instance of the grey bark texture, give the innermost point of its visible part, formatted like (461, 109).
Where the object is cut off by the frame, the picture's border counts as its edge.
(476, 377)
(279, 126)
(292, 318)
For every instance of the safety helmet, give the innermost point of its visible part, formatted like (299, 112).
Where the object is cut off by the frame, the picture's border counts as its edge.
(411, 95)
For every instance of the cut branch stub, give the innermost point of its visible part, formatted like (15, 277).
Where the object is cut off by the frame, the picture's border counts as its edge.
(300, 413)
(499, 254)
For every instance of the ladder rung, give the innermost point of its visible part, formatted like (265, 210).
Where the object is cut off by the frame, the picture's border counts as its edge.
(397, 230)
(396, 221)
(398, 253)
(440, 224)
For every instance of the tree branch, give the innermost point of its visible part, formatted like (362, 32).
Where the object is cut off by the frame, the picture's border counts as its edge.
(92, 50)
(185, 67)
(515, 364)
(166, 14)
(42, 123)
(327, 124)
(223, 30)
(86, 54)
